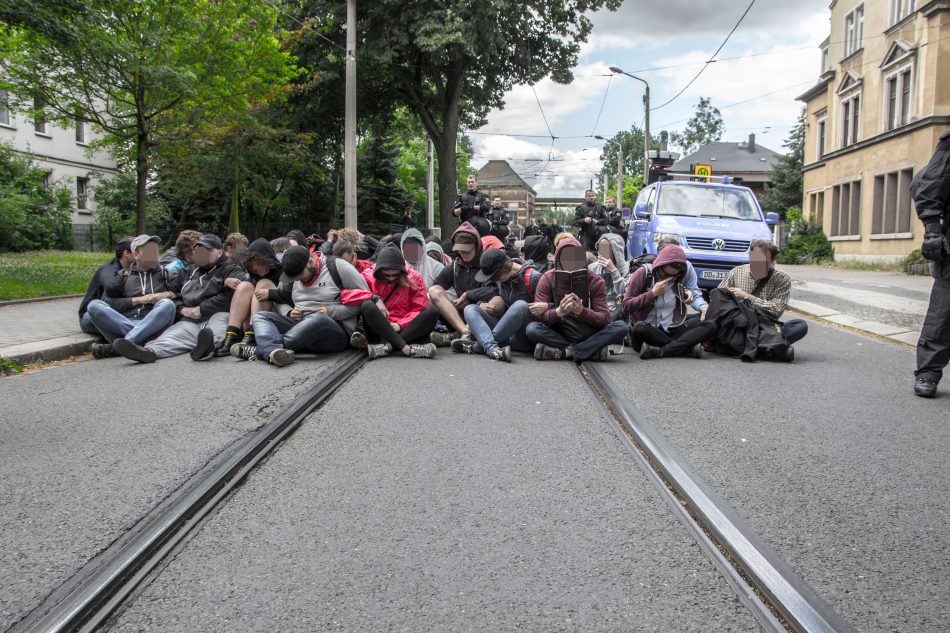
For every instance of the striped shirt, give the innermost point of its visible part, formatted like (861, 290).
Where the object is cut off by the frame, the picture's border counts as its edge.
(772, 299)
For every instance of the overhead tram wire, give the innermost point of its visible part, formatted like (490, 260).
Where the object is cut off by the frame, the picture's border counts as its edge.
(602, 104)
(305, 25)
(709, 61)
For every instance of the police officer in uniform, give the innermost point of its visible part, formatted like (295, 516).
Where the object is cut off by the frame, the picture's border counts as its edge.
(931, 191)
(472, 203)
(591, 219)
(499, 220)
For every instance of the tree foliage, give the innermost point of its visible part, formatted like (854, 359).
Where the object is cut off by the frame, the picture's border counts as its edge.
(705, 126)
(786, 188)
(631, 141)
(33, 215)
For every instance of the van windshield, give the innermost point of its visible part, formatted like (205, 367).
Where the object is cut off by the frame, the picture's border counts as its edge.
(709, 202)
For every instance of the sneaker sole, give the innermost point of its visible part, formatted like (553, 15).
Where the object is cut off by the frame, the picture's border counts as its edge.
(204, 347)
(281, 358)
(129, 350)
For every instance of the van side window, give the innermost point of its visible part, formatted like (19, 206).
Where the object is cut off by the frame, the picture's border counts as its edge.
(651, 200)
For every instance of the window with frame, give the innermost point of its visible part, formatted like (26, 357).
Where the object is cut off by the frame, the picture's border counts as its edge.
(850, 120)
(900, 9)
(816, 207)
(892, 212)
(80, 131)
(4, 108)
(854, 30)
(897, 94)
(40, 124)
(82, 190)
(821, 131)
(825, 60)
(846, 209)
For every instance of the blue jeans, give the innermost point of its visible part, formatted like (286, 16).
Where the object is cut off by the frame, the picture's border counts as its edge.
(112, 325)
(612, 334)
(492, 333)
(316, 333)
(86, 324)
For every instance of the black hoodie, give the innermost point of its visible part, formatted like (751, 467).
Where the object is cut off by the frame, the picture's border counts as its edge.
(459, 275)
(204, 287)
(536, 248)
(262, 250)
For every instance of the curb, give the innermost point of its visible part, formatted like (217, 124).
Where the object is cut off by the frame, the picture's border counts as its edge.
(16, 302)
(50, 350)
(884, 331)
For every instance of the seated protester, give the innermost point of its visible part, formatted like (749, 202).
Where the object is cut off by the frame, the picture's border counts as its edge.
(690, 281)
(178, 257)
(234, 246)
(490, 241)
(251, 295)
(613, 267)
(280, 244)
(399, 311)
(350, 235)
(326, 294)
(139, 305)
(656, 302)
(535, 252)
(435, 253)
(572, 327)
(449, 293)
(499, 325)
(413, 247)
(297, 238)
(759, 285)
(204, 298)
(105, 277)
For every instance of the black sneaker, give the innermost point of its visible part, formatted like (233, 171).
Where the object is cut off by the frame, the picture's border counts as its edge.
(103, 350)
(224, 347)
(281, 357)
(422, 351)
(463, 346)
(358, 340)
(242, 351)
(130, 350)
(444, 339)
(543, 352)
(650, 351)
(249, 339)
(204, 347)
(603, 354)
(502, 354)
(697, 351)
(925, 388)
(789, 354)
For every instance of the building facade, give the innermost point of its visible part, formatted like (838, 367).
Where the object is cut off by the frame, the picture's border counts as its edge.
(497, 178)
(747, 160)
(62, 152)
(873, 120)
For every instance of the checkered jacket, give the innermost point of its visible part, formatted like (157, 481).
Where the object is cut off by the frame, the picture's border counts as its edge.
(772, 299)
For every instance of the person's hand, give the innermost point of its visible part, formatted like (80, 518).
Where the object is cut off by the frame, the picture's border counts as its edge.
(661, 286)
(396, 327)
(702, 313)
(566, 306)
(332, 235)
(232, 282)
(588, 219)
(739, 293)
(296, 314)
(262, 294)
(688, 295)
(190, 313)
(457, 211)
(607, 263)
(382, 308)
(577, 306)
(935, 245)
(537, 308)
(461, 302)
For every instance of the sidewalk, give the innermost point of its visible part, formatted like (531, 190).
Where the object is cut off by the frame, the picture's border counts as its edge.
(42, 331)
(889, 305)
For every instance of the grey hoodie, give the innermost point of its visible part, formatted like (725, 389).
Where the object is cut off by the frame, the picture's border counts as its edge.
(616, 281)
(427, 267)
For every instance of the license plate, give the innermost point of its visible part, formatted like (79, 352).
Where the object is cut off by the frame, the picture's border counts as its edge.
(715, 274)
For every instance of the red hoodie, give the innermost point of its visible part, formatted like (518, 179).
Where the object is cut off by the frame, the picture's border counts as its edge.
(596, 313)
(638, 301)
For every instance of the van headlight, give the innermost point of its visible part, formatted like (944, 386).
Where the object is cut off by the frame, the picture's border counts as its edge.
(659, 237)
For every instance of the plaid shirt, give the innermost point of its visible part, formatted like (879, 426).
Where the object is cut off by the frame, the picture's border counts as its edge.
(774, 296)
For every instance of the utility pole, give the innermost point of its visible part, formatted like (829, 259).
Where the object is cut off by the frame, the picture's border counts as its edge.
(605, 187)
(646, 135)
(619, 176)
(430, 190)
(349, 128)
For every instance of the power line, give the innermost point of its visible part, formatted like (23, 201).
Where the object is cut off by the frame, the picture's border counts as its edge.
(550, 133)
(307, 26)
(711, 59)
(602, 103)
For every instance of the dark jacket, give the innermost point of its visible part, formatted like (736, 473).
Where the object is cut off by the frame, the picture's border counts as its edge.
(521, 286)
(595, 313)
(743, 330)
(594, 211)
(930, 188)
(135, 283)
(261, 249)
(458, 275)
(536, 250)
(639, 300)
(106, 276)
(472, 204)
(204, 287)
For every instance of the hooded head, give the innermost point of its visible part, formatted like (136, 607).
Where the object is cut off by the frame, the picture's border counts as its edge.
(260, 258)
(613, 244)
(670, 257)
(412, 245)
(297, 236)
(467, 244)
(536, 248)
(434, 251)
(490, 241)
(570, 255)
(388, 260)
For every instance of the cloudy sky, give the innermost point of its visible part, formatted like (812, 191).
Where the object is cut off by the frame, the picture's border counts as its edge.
(666, 44)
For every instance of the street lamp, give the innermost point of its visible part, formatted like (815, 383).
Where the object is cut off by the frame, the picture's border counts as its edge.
(646, 123)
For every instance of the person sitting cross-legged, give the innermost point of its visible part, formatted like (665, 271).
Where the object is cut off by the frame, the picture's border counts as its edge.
(449, 292)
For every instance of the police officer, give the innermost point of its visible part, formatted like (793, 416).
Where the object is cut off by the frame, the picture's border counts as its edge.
(591, 219)
(931, 191)
(499, 220)
(615, 221)
(472, 203)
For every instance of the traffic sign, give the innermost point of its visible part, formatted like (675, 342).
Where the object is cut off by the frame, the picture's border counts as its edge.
(702, 170)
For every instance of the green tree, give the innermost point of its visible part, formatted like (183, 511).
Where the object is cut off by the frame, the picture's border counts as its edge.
(705, 126)
(145, 72)
(381, 198)
(115, 209)
(451, 61)
(786, 188)
(632, 144)
(32, 214)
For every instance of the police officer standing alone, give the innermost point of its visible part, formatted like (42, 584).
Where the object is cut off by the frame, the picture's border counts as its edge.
(471, 203)
(931, 192)
(591, 219)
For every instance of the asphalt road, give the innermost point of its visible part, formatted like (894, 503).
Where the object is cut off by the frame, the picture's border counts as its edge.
(831, 460)
(500, 501)
(88, 448)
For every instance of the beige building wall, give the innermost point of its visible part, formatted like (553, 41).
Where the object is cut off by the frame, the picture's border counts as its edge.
(873, 171)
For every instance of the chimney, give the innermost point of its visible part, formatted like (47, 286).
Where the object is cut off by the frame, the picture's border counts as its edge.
(752, 143)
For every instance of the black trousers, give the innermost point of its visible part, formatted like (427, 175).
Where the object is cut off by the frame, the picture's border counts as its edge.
(379, 325)
(677, 341)
(933, 348)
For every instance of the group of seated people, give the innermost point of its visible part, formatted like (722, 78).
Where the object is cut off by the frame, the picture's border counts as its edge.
(407, 295)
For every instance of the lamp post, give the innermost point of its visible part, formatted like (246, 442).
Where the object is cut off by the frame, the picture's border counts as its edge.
(646, 123)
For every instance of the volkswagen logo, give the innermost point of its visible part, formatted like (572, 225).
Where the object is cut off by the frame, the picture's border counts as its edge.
(719, 244)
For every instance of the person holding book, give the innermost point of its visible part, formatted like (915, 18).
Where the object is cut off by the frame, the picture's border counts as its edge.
(577, 324)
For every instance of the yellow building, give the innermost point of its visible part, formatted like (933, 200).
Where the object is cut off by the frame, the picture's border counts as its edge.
(873, 120)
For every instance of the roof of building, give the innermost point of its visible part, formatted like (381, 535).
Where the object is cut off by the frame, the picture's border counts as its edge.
(727, 158)
(498, 173)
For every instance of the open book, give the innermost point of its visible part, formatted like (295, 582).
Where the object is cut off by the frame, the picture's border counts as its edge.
(566, 282)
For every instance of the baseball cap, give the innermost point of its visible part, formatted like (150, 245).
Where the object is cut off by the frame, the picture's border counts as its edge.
(209, 240)
(142, 240)
(492, 261)
(294, 262)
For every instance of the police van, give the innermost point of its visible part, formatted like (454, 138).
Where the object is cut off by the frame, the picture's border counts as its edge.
(714, 222)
